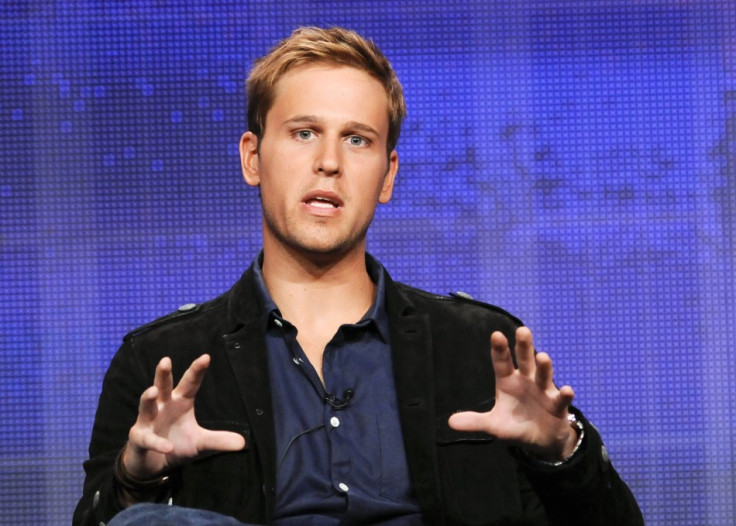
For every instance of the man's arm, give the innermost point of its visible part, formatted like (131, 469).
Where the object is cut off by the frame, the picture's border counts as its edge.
(530, 411)
(165, 434)
(561, 459)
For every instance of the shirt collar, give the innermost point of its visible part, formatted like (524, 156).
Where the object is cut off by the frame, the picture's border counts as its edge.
(375, 315)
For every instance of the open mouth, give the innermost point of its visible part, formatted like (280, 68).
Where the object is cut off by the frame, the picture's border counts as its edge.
(323, 199)
(322, 202)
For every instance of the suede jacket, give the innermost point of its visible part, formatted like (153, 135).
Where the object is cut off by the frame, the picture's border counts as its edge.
(441, 358)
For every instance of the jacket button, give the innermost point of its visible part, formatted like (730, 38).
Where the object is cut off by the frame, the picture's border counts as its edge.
(259, 411)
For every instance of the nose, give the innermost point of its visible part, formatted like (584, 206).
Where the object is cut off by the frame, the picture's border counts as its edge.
(328, 158)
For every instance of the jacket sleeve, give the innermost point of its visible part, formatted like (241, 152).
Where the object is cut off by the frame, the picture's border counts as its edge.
(117, 411)
(587, 490)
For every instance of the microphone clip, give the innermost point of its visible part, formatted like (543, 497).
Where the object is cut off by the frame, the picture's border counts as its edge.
(339, 403)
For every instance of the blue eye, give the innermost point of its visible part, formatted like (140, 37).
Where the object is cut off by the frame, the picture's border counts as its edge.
(304, 134)
(356, 140)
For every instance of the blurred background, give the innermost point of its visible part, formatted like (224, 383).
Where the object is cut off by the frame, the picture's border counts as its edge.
(572, 162)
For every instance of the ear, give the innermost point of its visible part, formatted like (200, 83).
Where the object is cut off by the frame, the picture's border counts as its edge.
(249, 158)
(388, 181)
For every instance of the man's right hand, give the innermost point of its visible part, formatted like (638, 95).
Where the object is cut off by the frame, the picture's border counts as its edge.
(166, 433)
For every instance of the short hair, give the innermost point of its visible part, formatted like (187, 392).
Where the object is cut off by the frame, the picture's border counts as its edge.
(314, 45)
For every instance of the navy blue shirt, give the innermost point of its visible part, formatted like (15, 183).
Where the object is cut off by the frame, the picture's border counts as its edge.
(344, 461)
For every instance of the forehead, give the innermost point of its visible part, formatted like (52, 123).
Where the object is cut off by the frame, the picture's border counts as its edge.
(330, 90)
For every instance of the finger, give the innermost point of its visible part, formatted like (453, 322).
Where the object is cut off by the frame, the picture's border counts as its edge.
(543, 376)
(163, 380)
(503, 365)
(143, 439)
(221, 441)
(470, 421)
(148, 405)
(525, 351)
(193, 376)
(565, 397)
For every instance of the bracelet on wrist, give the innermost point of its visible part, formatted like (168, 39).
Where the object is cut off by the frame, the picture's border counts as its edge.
(135, 487)
(579, 430)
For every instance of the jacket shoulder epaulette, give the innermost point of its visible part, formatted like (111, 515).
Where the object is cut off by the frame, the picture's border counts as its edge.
(422, 293)
(184, 311)
(187, 310)
(462, 297)
(467, 298)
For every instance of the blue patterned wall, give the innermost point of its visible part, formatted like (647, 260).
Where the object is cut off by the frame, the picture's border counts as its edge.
(573, 162)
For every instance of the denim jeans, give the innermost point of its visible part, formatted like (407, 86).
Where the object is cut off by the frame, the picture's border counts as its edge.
(163, 515)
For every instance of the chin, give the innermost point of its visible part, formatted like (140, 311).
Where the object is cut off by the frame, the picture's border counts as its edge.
(321, 248)
(319, 243)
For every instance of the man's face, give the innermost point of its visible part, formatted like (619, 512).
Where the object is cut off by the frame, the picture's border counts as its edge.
(322, 166)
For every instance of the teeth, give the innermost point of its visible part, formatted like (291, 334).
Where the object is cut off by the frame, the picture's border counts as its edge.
(322, 203)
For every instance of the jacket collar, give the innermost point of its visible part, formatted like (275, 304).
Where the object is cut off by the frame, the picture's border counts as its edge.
(243, 302)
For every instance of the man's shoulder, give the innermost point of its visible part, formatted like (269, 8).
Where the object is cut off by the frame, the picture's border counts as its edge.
(458, 303)
(186, 315)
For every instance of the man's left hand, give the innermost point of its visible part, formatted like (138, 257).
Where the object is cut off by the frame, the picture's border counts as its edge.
(530, 411)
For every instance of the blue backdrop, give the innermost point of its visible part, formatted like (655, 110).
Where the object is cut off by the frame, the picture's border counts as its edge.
(573, 162)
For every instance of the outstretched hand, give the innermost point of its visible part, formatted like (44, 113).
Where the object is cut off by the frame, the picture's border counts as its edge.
(166, 432)
(530, 411)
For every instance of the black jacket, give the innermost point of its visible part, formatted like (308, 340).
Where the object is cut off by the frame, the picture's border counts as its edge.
(441, 356)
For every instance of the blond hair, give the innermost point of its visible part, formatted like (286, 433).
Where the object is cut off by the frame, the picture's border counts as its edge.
(334, 46)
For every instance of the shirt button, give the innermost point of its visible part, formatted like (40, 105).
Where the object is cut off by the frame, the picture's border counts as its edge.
(343, 487)
(335, 422)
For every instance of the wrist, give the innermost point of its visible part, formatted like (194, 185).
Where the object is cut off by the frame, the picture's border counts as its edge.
(572, 446)
(133, 489)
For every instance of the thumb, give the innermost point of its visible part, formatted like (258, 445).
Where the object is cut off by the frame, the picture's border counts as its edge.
(470, 421)
(221, 441)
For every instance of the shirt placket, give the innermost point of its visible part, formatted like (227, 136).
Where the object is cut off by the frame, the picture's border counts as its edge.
(337, 421)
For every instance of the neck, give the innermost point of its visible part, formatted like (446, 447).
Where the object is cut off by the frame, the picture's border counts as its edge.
(311, 290)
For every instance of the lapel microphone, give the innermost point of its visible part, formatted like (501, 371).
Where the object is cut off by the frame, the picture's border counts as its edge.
(339, 403)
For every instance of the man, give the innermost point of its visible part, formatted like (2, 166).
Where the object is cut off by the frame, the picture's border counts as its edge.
(319, 391)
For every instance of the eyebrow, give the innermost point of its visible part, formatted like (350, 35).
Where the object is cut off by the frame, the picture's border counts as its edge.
(313, 119)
